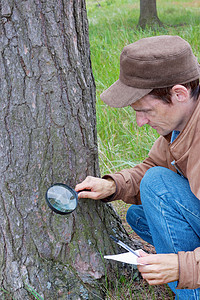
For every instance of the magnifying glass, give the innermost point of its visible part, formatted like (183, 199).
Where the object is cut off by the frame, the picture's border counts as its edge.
(61, 198)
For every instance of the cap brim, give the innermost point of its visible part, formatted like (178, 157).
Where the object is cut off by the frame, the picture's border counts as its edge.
(121, 95)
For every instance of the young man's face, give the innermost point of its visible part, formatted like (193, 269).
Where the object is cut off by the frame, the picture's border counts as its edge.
(161, 116)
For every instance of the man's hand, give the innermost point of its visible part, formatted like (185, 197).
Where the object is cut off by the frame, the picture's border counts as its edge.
(159, 268)
(96, 188)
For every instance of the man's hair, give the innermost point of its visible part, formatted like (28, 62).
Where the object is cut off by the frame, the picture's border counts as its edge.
(165, 93)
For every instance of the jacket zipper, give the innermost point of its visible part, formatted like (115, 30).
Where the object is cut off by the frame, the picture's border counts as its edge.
(177, 168)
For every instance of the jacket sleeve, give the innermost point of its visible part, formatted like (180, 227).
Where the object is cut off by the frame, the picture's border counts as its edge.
(128, 180)
(189, 269)
(128, 183)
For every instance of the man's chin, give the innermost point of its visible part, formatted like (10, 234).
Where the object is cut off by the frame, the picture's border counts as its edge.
(161, 132)
(158, 130)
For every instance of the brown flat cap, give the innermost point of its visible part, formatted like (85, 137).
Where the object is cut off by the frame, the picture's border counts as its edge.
(153, 62)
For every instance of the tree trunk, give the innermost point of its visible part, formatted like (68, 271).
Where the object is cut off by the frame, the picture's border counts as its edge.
(148, 14)
(48, 135)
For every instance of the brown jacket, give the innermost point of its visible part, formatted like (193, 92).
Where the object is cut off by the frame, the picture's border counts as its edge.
(185, 152)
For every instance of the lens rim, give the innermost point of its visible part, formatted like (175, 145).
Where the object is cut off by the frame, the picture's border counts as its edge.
(70, 189)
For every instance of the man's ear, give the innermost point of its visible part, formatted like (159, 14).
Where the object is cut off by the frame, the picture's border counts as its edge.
(180, 93)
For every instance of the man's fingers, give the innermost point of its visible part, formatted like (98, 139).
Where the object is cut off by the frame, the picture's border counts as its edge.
(155, 282)
(81, 187)
(143, 253)
(159, 268)
(85, 185)
(95, 188)
(89, 195)
(146, 259)
(153, 278)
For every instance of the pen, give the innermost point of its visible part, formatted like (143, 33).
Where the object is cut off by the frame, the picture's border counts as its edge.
(124, 245)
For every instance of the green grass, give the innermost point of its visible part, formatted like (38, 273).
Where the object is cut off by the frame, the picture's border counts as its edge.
(33, 292)
(112, 25)
(27, 287)
(124, 290)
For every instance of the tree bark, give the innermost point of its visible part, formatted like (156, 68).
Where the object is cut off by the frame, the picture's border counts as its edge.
(48, 135)
(148, 14)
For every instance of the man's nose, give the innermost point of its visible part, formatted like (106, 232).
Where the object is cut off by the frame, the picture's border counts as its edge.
(141, 119)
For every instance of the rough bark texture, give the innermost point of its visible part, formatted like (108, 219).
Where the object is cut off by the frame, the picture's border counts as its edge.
(148, 14)
(48, 135)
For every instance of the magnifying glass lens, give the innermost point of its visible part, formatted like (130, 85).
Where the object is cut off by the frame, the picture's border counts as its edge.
(61, 198)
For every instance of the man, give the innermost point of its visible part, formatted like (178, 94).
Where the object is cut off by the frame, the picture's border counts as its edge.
(159, 79)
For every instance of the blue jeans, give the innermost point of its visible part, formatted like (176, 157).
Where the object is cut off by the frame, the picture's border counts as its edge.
(169, 217)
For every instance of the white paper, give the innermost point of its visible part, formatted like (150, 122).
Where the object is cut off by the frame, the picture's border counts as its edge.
(127, 257)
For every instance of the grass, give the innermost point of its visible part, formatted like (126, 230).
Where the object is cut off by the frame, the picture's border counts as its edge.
(112, 25)
(27, 287)
(142, 291)
(34, 293)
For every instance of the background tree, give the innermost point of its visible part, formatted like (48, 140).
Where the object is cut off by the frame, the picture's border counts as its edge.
(48, 134)
(148, 14)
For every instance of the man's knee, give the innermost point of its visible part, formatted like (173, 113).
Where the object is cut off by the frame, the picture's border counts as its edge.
(153, 176)
(155, 183)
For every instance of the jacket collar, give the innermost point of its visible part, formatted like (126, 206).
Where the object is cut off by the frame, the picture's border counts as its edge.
(183, 141)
